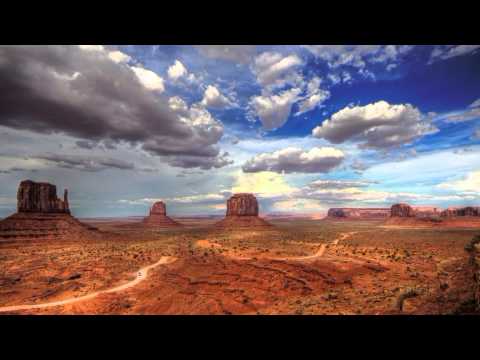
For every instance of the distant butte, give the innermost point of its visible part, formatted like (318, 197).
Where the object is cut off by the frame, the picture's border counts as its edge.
(358, 213)
(158, 217)
(242, 212)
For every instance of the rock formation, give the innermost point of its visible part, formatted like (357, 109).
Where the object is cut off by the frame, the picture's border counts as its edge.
(40, 214)
(242, 211)
(158, 217)
(242, 205)
(465, 211)
(40, 197)
(358, 213)
(402, 210)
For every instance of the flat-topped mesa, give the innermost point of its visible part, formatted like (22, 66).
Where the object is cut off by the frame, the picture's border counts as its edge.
(461, 211)
(242, 205)
(40, 198)
(402, 210)
(242, 212)
(358, 213)
(158, 217)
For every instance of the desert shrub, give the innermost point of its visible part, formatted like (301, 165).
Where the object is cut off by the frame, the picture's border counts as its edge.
(471, 245)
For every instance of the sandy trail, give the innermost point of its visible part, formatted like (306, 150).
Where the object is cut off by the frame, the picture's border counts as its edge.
(320, 252)
(141, 275)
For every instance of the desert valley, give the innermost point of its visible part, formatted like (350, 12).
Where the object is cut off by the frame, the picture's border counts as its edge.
(294, 179)
(378, 261)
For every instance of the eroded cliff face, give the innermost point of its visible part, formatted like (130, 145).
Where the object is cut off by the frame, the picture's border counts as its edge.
(40, 197)
(242, 205)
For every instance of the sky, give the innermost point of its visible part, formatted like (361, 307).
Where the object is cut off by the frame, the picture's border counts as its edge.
(303, 127)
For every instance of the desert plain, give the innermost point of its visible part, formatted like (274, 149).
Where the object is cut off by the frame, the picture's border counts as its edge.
(298, 266)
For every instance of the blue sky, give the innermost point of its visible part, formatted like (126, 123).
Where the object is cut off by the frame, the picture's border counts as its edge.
(305, 128)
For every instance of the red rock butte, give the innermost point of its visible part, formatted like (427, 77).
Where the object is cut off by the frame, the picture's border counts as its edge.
(242, 212)
(41, 214)
(158, 217)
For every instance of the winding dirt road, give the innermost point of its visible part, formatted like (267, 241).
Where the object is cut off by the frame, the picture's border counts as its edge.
(320, 252)
(141, 275)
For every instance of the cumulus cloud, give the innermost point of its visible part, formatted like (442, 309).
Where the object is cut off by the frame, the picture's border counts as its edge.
(273, 110)
(294, 159)
(237, 53)
(378, 125)
(83, 93)
(214, 99)
(177, 70)
(119, 57)
(448, 51)
(149, 79)
(85, 163)
(272, 69)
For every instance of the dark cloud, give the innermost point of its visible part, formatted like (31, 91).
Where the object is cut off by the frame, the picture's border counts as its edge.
(339, 184)
(85, 163)
(85, 144)
(85, 94)
(236, 53)
(293, 159)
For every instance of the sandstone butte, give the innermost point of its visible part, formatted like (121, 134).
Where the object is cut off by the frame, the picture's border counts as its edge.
(41, 214)
(158, 217)
(242, 212)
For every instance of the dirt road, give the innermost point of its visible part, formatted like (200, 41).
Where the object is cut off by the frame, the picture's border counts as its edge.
(140, 276)
(320, 252)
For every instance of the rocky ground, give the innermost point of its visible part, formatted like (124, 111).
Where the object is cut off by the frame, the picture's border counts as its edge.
(296, 267)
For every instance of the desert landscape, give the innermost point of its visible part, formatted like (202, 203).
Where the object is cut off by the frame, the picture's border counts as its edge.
(240, 179)
(52, 263)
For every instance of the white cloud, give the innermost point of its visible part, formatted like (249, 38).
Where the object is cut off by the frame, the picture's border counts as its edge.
(275, 70)
(465, 115)
(293, 159)
(449, 51)
(214, 99)
(92, 47)
(273, 110)
(378, 125)
(177, 104)
(177, 70)
(119, 57)
(469, 184)
(315, 96)
(358, 55)
(476, 103)
(149, 79)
